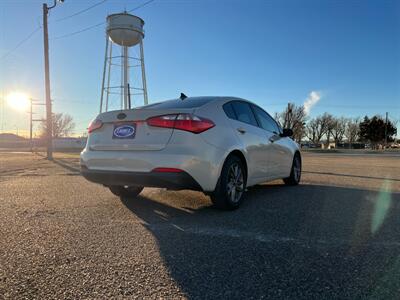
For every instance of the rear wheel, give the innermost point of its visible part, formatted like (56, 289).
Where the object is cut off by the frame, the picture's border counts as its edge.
(295, 173)
(125, 191)
(231, 185)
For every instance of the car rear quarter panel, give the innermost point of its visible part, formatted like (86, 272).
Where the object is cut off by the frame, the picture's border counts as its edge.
(222, 135)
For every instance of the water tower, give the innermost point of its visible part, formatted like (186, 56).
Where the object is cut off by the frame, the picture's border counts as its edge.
(120, 69)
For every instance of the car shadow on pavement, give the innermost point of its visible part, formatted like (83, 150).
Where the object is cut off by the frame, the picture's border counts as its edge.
(309, 241)
(350, 175)
(69, 165)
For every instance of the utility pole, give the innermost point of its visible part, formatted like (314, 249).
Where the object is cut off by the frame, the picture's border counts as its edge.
(386, 123)
(30, 126)
(31, 120)
(49, 123)
(49, 127)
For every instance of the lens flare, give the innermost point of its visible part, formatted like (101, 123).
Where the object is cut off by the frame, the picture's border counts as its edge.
(382, 206)
(18, 101)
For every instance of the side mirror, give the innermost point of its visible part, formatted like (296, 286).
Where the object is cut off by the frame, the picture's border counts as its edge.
(286, 132)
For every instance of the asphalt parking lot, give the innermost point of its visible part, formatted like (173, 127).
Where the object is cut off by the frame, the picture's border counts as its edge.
(336, 236)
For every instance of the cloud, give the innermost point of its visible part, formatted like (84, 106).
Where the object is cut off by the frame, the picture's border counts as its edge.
(311, 100)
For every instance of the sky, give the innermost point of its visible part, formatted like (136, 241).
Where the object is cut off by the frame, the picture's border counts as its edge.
(341, 57)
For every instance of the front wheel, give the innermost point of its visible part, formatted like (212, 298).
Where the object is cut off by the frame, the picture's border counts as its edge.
(231, 185)
(295, 173)
(125, 191)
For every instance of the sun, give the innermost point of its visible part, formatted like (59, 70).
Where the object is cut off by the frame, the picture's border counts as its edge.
(18, 101)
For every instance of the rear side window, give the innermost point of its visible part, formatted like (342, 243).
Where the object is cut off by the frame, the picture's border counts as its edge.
(228, 109)
(244, 113)
(265, 120)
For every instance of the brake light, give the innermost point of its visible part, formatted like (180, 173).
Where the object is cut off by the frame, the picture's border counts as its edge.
(186, 122)
(166, 121)
(94, 125)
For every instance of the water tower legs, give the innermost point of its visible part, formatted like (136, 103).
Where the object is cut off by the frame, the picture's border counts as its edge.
(104, 76)
(123, 30)
(121, 87)
(146, 101)
(109, 76)
(126, 75)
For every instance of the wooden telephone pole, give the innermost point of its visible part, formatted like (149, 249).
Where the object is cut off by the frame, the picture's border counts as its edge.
(49, 123)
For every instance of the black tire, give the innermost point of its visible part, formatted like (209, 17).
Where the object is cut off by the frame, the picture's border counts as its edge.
(295, 173)
(231, 185)
(122, 191)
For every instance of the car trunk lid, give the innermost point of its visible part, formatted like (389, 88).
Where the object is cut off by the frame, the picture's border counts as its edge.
(127, 130)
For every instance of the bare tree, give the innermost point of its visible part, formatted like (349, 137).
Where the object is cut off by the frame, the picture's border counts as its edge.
(311, 130)
(318, 127)
(293, 117)
(329, 120)
(337, 130)
(352, 130)
(63, 125)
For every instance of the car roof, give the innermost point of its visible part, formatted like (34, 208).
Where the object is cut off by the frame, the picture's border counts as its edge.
(190, 102)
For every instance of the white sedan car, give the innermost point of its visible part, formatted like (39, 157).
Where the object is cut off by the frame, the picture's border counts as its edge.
(218, 145)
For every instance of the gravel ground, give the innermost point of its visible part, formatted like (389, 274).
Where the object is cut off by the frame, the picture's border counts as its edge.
(336, 236)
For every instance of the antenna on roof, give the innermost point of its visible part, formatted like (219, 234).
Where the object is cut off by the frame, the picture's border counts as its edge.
(183, 96)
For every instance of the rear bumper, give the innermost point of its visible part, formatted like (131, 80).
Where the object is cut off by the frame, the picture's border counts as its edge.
(173, 181)
(201, 161)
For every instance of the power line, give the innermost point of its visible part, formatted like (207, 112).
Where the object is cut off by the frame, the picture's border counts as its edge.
(57, 20)
(80, 12)
(21, 42)
(97, 25)
(77, 32)
(141, 5)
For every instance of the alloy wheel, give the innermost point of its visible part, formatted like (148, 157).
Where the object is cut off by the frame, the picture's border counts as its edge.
(296, 169)
(235, 184)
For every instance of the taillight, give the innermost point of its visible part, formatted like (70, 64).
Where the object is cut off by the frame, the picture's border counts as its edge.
(166, 121)
(94, 125)
(187, 122)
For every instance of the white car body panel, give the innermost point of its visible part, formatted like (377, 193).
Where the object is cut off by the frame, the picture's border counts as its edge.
(199, 155)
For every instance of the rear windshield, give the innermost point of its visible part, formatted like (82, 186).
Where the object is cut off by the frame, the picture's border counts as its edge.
(178, 103)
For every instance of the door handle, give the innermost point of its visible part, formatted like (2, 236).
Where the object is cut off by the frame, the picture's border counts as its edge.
(241, 130)
(273, 138)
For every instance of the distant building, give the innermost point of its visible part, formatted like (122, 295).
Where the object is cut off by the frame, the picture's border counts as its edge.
(69, 143)
(10, 137)
(10, 140)
(310, 145)
(330, 145)
(352, 146)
